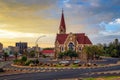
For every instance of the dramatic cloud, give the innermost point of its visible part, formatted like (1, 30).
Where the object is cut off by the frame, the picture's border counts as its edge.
(24, 19)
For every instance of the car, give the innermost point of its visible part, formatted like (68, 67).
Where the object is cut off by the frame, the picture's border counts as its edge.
(77, 61)
(64, 62)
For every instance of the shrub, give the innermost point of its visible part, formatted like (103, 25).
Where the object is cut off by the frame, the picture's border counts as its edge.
(37, 61)
(79, 64)
(40, 63)
(27, 63)
(31, 64)
(20, 61)
(17, 61)
(24, 58)
(74, 65)
(44, 56)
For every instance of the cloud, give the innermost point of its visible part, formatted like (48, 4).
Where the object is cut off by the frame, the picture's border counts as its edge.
(117, 21)
(9, 34)
(111, 31)
(94, 17)
(22, 15)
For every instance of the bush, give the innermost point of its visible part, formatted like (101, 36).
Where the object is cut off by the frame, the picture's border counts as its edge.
(17, 61)
(37, 61)
(44, 56)
(31, 64)
(27, 63)
(24, 58)
(20, 61)
(40, 63)
(79, 65)
(74, 65)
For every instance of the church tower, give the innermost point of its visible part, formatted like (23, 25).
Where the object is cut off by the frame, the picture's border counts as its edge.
(62, 27)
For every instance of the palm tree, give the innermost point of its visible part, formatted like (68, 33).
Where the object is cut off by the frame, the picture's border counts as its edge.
(5, 55)
(16, 55)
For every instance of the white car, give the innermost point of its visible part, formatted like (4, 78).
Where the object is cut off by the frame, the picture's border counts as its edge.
(76, 61)
(64, 62)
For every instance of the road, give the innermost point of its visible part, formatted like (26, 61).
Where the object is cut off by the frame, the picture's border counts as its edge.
(66, 73)
(56, 74)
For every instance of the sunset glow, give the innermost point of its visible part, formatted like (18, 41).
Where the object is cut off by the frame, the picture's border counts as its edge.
(26, 20)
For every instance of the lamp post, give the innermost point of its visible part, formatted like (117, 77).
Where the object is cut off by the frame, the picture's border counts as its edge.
(36, 43)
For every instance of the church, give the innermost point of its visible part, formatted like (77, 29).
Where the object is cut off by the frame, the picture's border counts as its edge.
(69, 41)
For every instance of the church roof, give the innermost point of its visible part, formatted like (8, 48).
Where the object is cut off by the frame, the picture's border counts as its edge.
(61, 38)
(80, 37)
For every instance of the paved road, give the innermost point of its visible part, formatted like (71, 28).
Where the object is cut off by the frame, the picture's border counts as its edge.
(66, 73)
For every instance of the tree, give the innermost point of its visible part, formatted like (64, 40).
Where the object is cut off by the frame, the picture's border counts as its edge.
(71, 54)
(60, 55)
(87, 51)
(5, 55)
(114, 53)
(16, 55)
(24, 58)
(25, 53)
(32, 54)
(92, 52)
(76, 55)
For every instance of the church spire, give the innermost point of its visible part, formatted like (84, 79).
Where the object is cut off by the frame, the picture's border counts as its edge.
(62, 27)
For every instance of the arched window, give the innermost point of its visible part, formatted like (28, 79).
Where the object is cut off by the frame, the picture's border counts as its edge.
(71, 46)
(61, 49)
(80, 48)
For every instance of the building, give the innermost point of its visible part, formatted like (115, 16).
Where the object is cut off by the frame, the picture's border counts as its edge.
(69, 41)
(22, 46)
(1, 48)
(49, 53)
(12, 50)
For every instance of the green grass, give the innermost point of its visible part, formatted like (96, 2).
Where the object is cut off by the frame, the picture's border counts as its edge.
(74, 65)
(103, 78)
(89, 79)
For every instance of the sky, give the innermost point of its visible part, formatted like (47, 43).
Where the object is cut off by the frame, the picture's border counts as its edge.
(28, 20)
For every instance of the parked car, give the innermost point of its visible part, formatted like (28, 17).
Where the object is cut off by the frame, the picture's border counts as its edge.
(64, 62)
(77, 61)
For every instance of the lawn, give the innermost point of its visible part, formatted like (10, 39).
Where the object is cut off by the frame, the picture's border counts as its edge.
(104, 78)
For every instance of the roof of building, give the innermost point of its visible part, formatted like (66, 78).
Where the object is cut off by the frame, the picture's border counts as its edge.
(80, 37)
(47, 51)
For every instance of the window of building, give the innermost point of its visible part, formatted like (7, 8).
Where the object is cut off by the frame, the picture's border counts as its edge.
(80, 49)
(71, 46)
(61, 49)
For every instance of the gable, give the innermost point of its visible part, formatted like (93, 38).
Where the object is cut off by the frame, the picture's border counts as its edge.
(81, 38)
(61, 38)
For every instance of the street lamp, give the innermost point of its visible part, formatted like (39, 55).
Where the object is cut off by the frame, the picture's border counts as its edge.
(36, 43)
